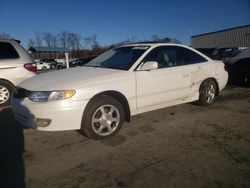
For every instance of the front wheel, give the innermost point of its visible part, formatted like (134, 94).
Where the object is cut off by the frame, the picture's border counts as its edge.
(208, 91)
(103, 118)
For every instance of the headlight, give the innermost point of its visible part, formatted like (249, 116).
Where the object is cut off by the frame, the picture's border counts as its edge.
(44, 96)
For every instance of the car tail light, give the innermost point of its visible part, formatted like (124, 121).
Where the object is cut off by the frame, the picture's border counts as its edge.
(30, 67)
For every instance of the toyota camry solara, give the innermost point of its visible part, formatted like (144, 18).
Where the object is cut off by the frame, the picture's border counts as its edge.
(131, 79)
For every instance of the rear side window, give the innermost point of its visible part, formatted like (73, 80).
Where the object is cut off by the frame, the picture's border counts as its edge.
(7, 51)
(188, 57)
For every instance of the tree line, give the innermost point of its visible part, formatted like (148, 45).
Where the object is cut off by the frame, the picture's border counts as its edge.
(82, 46)
(66, 39)
(74, 41)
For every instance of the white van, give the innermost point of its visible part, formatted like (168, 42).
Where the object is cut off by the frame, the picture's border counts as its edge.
(16, 65)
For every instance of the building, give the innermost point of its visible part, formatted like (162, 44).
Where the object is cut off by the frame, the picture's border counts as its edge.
(234, 37)
(47, 52)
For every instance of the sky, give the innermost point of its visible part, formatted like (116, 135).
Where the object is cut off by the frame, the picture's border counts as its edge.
(116, 20)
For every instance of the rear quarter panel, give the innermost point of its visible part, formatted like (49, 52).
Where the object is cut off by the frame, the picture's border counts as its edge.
(14, 72)
(216, 69)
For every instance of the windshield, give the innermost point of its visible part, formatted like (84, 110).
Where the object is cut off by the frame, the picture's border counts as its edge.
(118, 58)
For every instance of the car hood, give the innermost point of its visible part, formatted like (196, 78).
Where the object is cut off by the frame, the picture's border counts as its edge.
(72, 78)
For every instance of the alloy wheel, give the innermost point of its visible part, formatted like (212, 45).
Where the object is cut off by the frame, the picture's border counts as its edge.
(210, 93)
(105, 120)
(4, 94)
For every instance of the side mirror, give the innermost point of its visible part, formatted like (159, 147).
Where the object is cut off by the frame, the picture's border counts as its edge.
(149, 65)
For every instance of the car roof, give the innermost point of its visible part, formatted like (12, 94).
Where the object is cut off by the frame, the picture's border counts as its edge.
(10, 40)
(157, 44)
(153, 44)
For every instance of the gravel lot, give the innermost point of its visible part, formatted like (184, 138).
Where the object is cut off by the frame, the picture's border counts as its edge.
(181, 146)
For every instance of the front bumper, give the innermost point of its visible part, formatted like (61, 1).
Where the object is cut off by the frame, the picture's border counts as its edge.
(64, 115)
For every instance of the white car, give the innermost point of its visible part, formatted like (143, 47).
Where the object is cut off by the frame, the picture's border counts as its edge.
(16, 65)
(116, 85)
(42, 65)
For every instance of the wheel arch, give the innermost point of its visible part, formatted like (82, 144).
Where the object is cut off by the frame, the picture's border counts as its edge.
(118, 96)
(8, 81)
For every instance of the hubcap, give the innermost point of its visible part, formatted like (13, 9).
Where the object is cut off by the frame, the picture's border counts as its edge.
(4, 94)
(105, 120)
(210, 93)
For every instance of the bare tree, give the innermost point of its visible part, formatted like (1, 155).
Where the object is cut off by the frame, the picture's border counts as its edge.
(76, 41)
(166, 39)
(5, 36)
(54, 41)
(131, 40)
(49, 39)
(87, 42)
(31, 42)
(127, 41)
(63, 37)
(39, 39)
(155, 38)
(70, 40)
(91, 42)
(176, 41)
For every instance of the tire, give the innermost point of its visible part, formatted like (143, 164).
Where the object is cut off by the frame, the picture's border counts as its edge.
(103, 118)
(208, 91)
(6, 90)
(44, 68)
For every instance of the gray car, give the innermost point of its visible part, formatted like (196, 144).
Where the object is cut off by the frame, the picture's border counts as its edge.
(238, 67)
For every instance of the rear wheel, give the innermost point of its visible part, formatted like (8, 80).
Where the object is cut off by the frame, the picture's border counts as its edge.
(6, 89)
(208, 91)
(103, 118)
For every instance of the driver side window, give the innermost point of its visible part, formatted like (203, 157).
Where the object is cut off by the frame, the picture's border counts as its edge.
(165, 56)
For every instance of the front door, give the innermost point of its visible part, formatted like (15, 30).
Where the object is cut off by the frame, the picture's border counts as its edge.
(167, 84)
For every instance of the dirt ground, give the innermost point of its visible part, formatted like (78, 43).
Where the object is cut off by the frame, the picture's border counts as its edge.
(180, 146)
